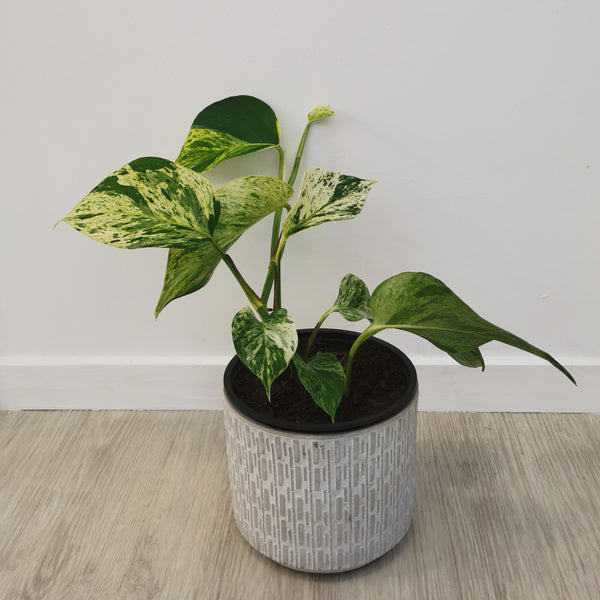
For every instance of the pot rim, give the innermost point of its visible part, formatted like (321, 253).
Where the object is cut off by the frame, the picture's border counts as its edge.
(400, 405)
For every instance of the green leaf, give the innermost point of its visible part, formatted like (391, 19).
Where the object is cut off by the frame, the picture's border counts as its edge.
(320, 112)
(266, 347)
(423, 305)
(326, 196)
(150, 202)
(469, 358)
(231, 127)
(213, 219)
(323, 378)
(242, 203)
(353, 299)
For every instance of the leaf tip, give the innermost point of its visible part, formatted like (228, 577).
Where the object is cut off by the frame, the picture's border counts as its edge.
(558, 365)
(268, 392)
(160, 305)
(565, 371)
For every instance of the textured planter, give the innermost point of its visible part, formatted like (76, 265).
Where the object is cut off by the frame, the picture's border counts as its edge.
(323, 501)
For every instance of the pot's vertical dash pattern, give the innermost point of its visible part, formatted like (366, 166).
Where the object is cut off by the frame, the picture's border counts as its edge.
(322, 502)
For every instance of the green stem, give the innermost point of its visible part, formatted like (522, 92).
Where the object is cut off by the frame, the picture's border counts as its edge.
(281, 162)
(266, 291)
(363, 337)
(273, 271)
(313, 335)
(252, 296)
(299, 152)
(277, 298)
(279, 248)
(275, 230)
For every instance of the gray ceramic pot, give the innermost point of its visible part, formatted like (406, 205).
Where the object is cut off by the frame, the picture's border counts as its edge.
(325, 501)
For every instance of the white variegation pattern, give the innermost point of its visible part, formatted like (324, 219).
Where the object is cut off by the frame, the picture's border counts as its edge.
(203, 149)
(150, 202)
(227, 128)
(353, 301)
(246, 200)
(243, 202)
(323, 377)
(326, 196)
(265, 346)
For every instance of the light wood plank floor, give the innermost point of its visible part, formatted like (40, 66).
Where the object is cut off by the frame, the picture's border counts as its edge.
(135, 505)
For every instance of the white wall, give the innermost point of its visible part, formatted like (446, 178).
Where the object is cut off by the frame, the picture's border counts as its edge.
(480, 120)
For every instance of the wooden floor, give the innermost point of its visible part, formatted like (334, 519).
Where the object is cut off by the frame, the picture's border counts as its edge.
(135, 505)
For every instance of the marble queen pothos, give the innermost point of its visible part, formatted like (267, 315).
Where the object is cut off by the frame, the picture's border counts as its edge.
(155, 202)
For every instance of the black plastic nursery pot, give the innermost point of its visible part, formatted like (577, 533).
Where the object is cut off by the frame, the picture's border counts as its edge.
(325, 497)
(384, 378)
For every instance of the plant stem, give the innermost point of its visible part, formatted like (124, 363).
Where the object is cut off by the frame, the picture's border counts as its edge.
(313, 335)
(273, 271)
(252, 296)
(275, 231)
(281, 162)
(277, 277)
(266, 291)
(276, 261)
(299, 152)
(255, 300)
(363, 337)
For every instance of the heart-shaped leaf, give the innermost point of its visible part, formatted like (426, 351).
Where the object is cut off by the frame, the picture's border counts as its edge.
(242, 203)
(353, 301)
(326, 196)
(231, 127)
(423, 305)
(323, 378)
(150, 202)
(266, 347)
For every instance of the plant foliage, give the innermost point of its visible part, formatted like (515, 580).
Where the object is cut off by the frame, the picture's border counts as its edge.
(153, 202)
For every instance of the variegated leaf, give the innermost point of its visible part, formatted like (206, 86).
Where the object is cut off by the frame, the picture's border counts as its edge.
(326, 196)
(353, 299)
(150, 202)
(231, 127)
(320, 112)
(243, 202)
(323, 378)
(421, 304)
(266, 347)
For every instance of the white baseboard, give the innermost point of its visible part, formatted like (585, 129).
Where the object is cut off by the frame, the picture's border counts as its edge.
(185, 384)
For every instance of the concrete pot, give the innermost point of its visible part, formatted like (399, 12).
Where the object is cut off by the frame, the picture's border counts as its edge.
(328, 500)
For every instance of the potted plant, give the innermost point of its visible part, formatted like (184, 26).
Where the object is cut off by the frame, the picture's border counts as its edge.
(320, 423)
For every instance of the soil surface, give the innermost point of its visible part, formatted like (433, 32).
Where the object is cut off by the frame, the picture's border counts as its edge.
(378, 380)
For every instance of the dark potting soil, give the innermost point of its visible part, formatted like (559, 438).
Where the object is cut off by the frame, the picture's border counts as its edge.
(378, 380)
